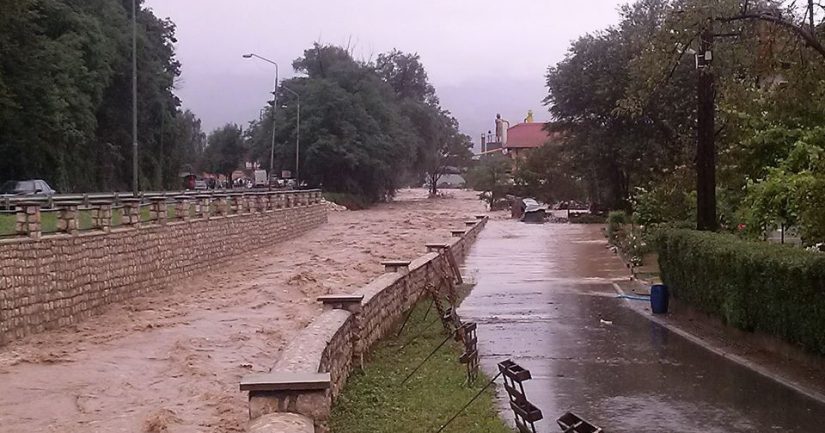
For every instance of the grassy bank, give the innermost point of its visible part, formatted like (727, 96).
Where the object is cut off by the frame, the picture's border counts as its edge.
(375, 401)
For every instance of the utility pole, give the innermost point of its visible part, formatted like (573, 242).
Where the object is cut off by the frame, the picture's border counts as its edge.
(135, 186)
(705, 137)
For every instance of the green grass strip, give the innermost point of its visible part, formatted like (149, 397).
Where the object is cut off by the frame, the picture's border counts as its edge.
(375, 401)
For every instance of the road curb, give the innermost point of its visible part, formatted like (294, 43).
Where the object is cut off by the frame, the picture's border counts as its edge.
(757, 368)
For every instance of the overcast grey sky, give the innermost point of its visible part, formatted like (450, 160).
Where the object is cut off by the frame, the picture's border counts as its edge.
(483, 56)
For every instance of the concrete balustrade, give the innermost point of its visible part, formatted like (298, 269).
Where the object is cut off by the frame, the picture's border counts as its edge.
(28, 215)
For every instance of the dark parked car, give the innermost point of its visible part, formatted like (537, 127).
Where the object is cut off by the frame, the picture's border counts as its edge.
(26, 187)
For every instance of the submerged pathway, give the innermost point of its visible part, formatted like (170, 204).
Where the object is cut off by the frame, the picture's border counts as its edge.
(545, 299)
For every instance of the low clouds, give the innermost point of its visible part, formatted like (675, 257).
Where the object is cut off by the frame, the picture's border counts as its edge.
(482, 56)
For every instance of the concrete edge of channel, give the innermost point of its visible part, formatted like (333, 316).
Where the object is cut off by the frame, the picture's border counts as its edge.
(720, 351)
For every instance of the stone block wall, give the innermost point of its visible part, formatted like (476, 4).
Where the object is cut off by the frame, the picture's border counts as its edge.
(55, 281)
(337, 340)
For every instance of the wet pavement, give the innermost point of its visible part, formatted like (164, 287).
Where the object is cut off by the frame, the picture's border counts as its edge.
(544, 297)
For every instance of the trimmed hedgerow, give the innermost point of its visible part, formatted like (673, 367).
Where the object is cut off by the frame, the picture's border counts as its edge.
(754, 286)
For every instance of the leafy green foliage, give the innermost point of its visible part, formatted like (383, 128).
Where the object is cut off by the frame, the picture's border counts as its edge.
(544, 175)
(65, 95)
(753, 286)
(491, 176)
(225, 150)
(365, 128)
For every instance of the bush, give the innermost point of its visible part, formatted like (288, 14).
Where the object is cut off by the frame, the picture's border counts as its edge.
(349, 201)
(753, 286)
(616, 221)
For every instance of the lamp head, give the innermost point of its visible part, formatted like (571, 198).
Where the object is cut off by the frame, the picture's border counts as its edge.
(247, 56)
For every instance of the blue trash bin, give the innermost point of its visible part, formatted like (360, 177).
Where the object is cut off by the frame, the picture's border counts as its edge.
(658, 298)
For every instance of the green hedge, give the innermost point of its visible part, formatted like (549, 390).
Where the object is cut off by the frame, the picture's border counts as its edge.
(753, 286)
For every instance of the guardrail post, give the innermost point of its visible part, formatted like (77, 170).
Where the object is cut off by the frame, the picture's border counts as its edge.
(102, 215)
(182, 208)
(28, 220)
(131, 212)
(159, 212)
(67, 217)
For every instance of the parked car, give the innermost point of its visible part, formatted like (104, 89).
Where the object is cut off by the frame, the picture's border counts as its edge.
(200, 185)
(33, 187)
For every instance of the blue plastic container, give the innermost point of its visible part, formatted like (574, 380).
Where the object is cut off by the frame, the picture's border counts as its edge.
(658, 298)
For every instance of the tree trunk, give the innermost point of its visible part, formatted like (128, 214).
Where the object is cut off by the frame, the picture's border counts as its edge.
(433, 185)
(705, 146)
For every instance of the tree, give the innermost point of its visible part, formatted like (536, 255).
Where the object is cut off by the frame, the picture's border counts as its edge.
(225, 150)
(406, 75)
(611, 143)
(544, 175)
(65, 94)
(364, 127)
(492, 177)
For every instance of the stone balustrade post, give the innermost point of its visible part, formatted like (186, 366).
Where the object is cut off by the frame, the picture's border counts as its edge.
(102, 215)
(158, 211)
(131, 212)
(236, 204)
(436, 247)
(182, 208)
(67, 217)
(280, 200)
(469, 223)
(391, 266)
(458, 233)
(260, 202)
(203, 208)
(29, 220)
(221, 205)
(290, 199)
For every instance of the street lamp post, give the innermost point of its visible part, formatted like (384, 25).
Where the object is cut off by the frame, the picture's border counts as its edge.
(297, 136)
(134, 101)
(274, 105)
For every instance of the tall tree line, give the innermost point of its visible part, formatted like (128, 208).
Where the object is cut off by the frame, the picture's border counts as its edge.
(366, 127)
(627, 100)
(65, 96)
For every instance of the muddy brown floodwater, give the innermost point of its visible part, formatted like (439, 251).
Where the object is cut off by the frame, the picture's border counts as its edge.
(172, 361)
(544, 297)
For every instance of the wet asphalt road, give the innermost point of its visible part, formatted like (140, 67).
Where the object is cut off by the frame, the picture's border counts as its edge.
(542, 294)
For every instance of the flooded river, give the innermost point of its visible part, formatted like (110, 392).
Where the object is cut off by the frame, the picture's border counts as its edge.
(544, 297)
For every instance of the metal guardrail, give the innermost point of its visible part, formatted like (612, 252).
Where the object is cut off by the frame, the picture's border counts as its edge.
(75, 213)
(10, 203)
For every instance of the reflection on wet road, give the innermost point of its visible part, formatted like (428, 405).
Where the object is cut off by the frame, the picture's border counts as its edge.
(544, 298)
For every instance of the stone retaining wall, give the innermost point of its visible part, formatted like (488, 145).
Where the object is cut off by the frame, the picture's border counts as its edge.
(54, 281)
(312, 370)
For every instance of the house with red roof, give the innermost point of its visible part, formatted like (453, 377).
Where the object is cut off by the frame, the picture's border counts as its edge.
(519, 139)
